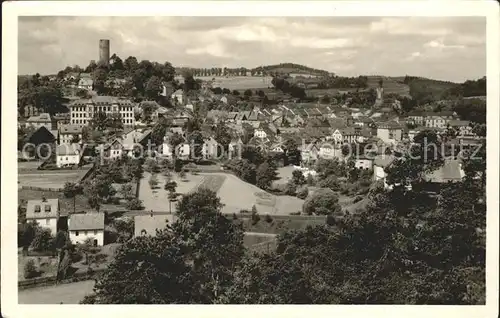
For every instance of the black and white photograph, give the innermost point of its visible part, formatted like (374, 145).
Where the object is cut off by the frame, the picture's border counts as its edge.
(223, 158)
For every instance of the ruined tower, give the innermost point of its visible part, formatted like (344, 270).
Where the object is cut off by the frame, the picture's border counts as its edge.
(104, 52)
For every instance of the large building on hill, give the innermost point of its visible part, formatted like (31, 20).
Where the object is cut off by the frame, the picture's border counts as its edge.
(82, 110)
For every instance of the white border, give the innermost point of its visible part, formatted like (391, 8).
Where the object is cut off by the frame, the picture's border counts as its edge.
(10, 12)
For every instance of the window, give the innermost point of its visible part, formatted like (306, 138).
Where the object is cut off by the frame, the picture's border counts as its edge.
(76, 233)
(37, 209)
(47, 208)
(47, 221)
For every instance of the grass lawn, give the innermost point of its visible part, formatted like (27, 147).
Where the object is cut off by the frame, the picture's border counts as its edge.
(238, 195)
(277, 226)
(46, 265)
(157, 199)
(239, 82)
(49, 178)
(66, 204)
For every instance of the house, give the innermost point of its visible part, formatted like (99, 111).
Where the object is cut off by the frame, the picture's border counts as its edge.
(363, 162)
(416, 117)
(435, 121)
(86, 83)
(148, 224)
(235, 147)
(264, 131)
(42, 136)
(309, 153)
(380, 163)
(463, 127)
(336, 136)
(182, 151)
(45, 212)
(42, 120)
(67, 155)
(68, 133)
(86, 226)
(390, 132)
(178, 96)
(210, 148)
(329, 151)
(114, 150)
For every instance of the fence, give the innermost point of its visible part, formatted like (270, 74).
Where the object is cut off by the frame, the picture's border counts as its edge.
(51, 280)
(41, 189)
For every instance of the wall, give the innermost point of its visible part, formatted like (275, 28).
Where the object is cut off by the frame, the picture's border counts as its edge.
(70, 159)
(52, 224)
(90, 234)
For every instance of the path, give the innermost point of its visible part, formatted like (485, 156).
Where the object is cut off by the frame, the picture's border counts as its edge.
(71, 293)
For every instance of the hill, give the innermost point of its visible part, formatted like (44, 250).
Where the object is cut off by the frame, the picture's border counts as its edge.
(286, 68)
(391, 85)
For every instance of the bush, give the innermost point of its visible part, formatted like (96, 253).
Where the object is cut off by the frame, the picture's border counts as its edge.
(134, 204)
(268, 218)
(43, 240)
(295, 213)
(235, 217)
(303, 193)
(30, 270)
(330, 220)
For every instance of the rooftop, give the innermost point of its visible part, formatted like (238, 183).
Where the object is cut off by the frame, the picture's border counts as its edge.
(40, 209)
(88, 221)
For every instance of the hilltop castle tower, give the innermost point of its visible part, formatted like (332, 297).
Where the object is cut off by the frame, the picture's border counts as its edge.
(104, 52)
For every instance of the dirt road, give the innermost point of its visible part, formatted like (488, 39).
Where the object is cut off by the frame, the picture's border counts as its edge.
(71, 293)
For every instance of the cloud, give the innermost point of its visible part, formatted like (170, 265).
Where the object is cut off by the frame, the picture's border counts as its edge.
(351, 46)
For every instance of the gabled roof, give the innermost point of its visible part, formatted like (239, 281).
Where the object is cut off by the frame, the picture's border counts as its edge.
(42, 118)
(88, 221)
(40, 205)
(68, 150)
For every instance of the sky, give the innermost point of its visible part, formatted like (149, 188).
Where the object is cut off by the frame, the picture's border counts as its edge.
(446, 48)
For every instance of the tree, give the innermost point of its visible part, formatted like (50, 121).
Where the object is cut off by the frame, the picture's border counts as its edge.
(30, 270)
(153, 87)
(131, 64)
(222, 136)
(236, 93)
(191, 261)
(322, 202)
(158, 134)
(126, 191)
(43, 240)
(26, 234)
(248, 93)
(265, 175)
(100, 121)
(153, 181)
(115, 121)
(100, 77)
(292, 153)
(71, 190)
(298, 178)
(134, 203)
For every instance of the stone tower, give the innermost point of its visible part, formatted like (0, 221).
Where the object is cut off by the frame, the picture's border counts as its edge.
(104, 52)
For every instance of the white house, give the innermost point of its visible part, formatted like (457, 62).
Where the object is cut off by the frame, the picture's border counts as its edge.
(44, 119)
(435, 121)
(182, 151)
(210, 148)
(84, 226)
(86, 83)
(68, 132)
(309, 152)
(390, 132)
(379, 165)
(45, 212)
(67, 155)
(115, 150)
(363, 162)
(178, 96)
(328, 151)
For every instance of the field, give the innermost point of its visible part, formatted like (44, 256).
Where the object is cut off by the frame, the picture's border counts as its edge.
(27, 176)
(235, 194)
(318, 92)
(239, 82)
(390, 85)
(157, 199)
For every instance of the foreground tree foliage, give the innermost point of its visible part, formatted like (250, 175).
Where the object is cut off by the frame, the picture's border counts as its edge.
(406, 247)
(190, 261)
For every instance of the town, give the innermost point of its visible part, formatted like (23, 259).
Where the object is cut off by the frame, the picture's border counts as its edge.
(123, 164)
